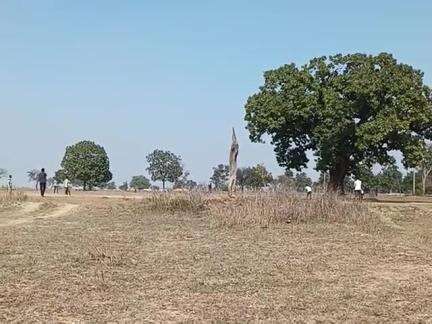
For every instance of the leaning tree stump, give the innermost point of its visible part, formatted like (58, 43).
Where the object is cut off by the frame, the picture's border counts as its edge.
(233, 154)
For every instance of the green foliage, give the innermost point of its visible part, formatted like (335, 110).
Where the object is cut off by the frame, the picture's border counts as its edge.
(164, 166)
(407, 183)
(390, 179)
(220, 176)
(254, 177)
(59, 175)
(370, 181)
(139, 182)
(3, 172)
(184, 182)
(425, 165)
(348, 109)
(87, 162)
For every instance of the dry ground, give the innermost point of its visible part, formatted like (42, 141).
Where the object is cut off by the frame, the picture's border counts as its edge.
(96, 259)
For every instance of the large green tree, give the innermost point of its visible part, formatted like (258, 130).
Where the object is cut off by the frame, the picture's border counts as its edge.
(87, 162)
(347, 109)
(164, 166)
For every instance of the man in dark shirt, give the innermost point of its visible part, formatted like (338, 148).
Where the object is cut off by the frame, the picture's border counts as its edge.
(42, 180)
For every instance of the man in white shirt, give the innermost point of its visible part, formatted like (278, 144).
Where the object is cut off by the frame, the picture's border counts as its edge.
(308, 190)
(358, 188)
(66, 185)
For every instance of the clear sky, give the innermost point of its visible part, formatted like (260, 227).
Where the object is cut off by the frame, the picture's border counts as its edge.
(138, 75)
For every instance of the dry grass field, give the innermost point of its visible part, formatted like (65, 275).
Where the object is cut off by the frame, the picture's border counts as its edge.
(192, 257)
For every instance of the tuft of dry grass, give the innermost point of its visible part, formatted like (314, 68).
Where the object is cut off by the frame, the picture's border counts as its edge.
(176, 202)
(264, 209)
(11, 199)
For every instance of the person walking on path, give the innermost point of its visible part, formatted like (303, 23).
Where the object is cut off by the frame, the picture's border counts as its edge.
(42, 180)
(66, 185)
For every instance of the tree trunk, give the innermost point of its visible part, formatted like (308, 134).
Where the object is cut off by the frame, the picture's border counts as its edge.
(84, 186)
(337, 177)
(163, 185)
(425, 174)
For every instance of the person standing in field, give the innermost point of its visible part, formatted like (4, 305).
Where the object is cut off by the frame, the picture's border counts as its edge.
(66, 185)
(9, 184)
(358, 189)
(56, 186)
(308, 190)
(42, 180)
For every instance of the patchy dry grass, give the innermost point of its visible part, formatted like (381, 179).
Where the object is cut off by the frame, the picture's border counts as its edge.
(115, 260)
(176, 202)
(275, 208)
(11, 199)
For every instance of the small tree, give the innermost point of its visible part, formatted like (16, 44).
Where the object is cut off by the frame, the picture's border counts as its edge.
(184, 182)
(59, 175)
(139, 182)
(33, 176)
(220, 176)
(164, 166)
(242, 175)
(87, 162)
(258, 177)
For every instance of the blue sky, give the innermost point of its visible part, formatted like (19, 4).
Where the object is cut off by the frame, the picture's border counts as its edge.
(138, 75)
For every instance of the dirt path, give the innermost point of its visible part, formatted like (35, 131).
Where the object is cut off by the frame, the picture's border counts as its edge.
(30, 211)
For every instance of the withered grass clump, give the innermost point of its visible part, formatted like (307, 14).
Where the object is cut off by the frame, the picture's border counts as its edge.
(176, 202)
(264, 209)
(8, 199)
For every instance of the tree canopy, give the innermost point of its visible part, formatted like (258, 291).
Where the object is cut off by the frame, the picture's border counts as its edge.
(184, 182)
(254, 177)
(164, 166)
(3, 172)
(347, 109)
(139, 182)
(87, 162)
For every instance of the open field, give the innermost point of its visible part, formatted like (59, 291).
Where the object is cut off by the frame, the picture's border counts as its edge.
(89, 258)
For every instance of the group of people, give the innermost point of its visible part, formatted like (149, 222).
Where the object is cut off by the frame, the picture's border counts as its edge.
(42, 180)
